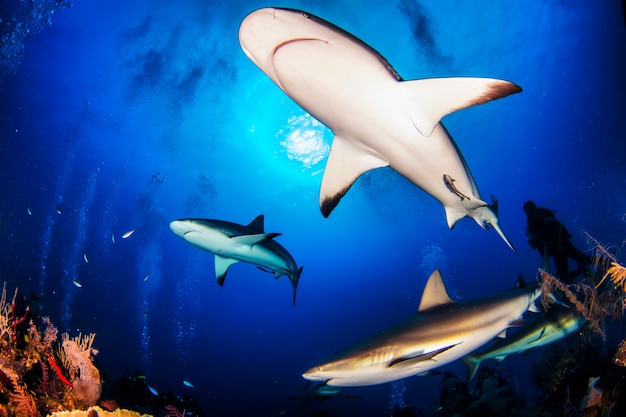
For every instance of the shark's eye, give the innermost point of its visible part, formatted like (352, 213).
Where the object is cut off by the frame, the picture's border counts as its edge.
(305, 14)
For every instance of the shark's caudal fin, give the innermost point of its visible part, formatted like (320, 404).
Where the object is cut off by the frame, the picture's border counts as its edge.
(347, 160)
(487, 216)
(434, 98)
(295, 278)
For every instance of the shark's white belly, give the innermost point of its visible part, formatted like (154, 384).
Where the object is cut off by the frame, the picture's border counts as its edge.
(358, 99)
(222, 245)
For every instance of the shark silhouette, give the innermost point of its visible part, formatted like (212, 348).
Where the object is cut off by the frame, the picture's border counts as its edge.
(232, 243)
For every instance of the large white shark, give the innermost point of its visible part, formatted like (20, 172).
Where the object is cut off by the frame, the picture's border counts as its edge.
(377, 118)
(232, 243)
(441, 332)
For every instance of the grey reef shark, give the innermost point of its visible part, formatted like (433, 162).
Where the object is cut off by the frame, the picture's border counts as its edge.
(555, 324)
(232, 243)
(377, 118)
(442, 331)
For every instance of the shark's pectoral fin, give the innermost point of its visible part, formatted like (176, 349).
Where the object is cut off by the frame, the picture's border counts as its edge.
(437, 97)
(221, 268)
(410, 361)
(347, 160)
(251, 240)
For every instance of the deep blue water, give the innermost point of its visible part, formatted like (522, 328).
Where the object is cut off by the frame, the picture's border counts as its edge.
(127, 115)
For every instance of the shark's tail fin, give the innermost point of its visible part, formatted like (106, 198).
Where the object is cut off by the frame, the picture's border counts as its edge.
(295, 278)
(487, 216)
(472, 363)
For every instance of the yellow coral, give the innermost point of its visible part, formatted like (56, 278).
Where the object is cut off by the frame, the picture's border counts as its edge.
(617, 274)
(98, 412)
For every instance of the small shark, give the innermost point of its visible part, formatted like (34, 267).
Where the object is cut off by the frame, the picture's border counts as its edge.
(232, 243)
(553, 325)
(320, 392)
(441, 332)
(377, 118)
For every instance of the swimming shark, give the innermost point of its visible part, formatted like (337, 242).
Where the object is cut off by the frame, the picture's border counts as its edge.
(377, 118)
(555, 324)
(441, 332)
(232, 243)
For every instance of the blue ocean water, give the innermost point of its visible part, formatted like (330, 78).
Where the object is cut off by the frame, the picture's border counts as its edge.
(124, 116)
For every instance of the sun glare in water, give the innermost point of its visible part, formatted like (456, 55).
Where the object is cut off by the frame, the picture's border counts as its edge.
(305, 140)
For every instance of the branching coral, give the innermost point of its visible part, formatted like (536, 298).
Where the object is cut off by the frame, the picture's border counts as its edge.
(76, 356)
(6, 312)
(31, 382)
(549, 284)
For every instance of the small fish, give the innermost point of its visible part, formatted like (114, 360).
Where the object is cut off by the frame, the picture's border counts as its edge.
(152, 390)
(78, 284)
(29, 211)
(145, 278)
(188, 384)
(449, 182)
(113, 237)
(128, 234)
(59, 210)
(85, 257)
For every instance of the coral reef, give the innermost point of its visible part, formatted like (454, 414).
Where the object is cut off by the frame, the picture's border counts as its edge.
(76, 356)
(98, 412)
(588, 378)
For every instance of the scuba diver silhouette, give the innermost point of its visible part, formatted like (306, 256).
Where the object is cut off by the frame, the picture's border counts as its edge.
(551, 238)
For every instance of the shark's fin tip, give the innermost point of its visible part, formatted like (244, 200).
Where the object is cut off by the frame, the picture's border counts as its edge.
(435, 293)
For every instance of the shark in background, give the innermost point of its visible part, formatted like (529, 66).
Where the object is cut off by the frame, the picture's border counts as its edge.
(555, 324)
(377, 118)
(442, 331)
(232, 243)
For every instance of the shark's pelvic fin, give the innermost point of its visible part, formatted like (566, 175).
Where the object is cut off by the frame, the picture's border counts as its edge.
(435, 293)
(446, 95)
(251, 240)
(258, 224)
(472, 363)
(454, 214)
(221, 268)
(346, 162)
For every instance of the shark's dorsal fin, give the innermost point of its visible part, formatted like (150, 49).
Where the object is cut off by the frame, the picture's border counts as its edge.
(438, 97)
(347, 160)
(221, 268)
(435, 293)
(252, 240)
(257, 224)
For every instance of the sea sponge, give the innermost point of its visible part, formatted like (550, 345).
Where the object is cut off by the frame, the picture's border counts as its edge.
(98, 412)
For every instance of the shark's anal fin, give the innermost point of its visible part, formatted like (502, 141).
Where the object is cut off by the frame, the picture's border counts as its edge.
(437, 97)
(251, 240)
(347, 160)
(221, 268)
(435, 293)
